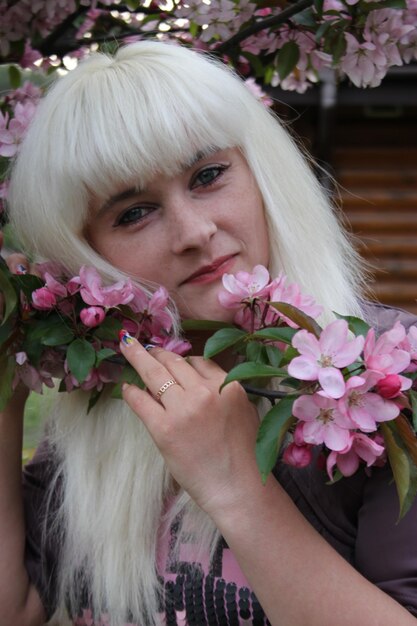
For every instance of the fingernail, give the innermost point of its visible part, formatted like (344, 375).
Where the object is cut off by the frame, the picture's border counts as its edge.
(21, 269)
(125, 337)
(148, 346)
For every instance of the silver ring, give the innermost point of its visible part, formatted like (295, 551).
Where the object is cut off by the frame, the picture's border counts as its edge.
(164, 387)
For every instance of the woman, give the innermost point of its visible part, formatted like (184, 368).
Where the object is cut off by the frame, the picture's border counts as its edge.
(159, 165)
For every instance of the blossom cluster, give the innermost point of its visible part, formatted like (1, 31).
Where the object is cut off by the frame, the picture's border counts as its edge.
(65, 328)
(344, 385)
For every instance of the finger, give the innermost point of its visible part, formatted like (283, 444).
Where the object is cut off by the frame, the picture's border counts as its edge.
(153, 373)
(179, 367)
(206, 368)
(18, 263)
(145, 407)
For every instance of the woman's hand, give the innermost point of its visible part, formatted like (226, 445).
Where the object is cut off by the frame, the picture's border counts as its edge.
(206, 437)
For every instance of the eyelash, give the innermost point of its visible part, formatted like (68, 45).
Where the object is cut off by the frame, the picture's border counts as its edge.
(220, 169)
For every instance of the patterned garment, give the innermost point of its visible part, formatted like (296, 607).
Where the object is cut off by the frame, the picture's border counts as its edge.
(198, 593)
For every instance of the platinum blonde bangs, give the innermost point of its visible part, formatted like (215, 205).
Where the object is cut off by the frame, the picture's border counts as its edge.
(113, 122)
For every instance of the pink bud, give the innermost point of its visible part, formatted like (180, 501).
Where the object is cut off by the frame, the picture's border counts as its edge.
(390, 386)
(92, 316)
(297, 456)
(43, 299)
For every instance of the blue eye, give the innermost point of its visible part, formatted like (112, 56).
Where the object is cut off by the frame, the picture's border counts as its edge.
(133, 215)
(208, 175)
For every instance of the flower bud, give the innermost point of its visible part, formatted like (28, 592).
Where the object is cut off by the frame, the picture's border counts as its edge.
(92, 316)
(43, 299)
(297, 456)
(390, 386)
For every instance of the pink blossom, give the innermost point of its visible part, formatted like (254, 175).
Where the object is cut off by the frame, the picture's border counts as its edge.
(390, 386)
(92, 316)
(279, 291)
(30, 56)
(92, 291)
(320, 358)
(258, 92)
(363, 63)
(172, 344)
(156, 318)
(43, 299)
(364, 407)
(362, 448)
(11, 136)
(29, 376)
(297, 456)
(244, 286)
(323, 421)
(55, 287)
(385, 356)
(410, 345)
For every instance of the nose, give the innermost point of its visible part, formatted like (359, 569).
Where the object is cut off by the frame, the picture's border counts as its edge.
(192, 226)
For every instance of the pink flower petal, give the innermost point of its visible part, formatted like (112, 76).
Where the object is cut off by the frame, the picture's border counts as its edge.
(332, 381)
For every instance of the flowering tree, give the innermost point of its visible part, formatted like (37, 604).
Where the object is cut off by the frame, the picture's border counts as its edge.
(274, 42)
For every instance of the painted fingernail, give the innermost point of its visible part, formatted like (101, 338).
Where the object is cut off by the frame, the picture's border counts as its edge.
(149, 346)
(21, 269)
(125, 337)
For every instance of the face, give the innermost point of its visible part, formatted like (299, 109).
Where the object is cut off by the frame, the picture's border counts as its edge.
(185, 231)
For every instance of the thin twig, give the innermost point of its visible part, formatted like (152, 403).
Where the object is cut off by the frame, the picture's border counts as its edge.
(269, 22)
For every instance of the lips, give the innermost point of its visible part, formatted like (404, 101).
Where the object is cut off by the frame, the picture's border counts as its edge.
(210, 272)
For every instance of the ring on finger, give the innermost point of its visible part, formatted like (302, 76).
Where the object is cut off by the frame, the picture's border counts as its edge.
(164, 387)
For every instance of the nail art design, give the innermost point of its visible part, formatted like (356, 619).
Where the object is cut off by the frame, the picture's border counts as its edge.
(21, 269)
(148, 346)
(125, 337)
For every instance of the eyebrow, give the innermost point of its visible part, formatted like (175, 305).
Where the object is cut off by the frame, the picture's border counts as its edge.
(133, 191)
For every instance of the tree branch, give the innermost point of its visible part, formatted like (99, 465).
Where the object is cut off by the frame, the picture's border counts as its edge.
(268, 22)
(47, 45)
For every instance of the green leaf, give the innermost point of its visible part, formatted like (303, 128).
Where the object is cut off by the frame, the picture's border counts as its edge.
(128, 375)
(318, 5)
(193, 28)
(356, 325)
(385, 4)
(109, 329)
(255, 62)
(222, 339)
(26, 283)
(104, 354)
(305, 18)
(6, 330)
(269, 73)
(254, 351)
(271, 434)
(413, 397)
(403, 469)
(15, 77)
(245, 371)
(9, 294)
(287, 58)
(81, 357)
(7, 369)
(204, 325)
(301, 319)
(284, 334)
(274, 355)
(322, 30)
(94, 398)
(59, 335)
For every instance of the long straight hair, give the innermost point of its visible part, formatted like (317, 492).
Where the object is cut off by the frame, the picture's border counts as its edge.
(120, 120)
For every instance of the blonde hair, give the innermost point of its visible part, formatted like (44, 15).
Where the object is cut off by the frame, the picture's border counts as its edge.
(123, 119)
